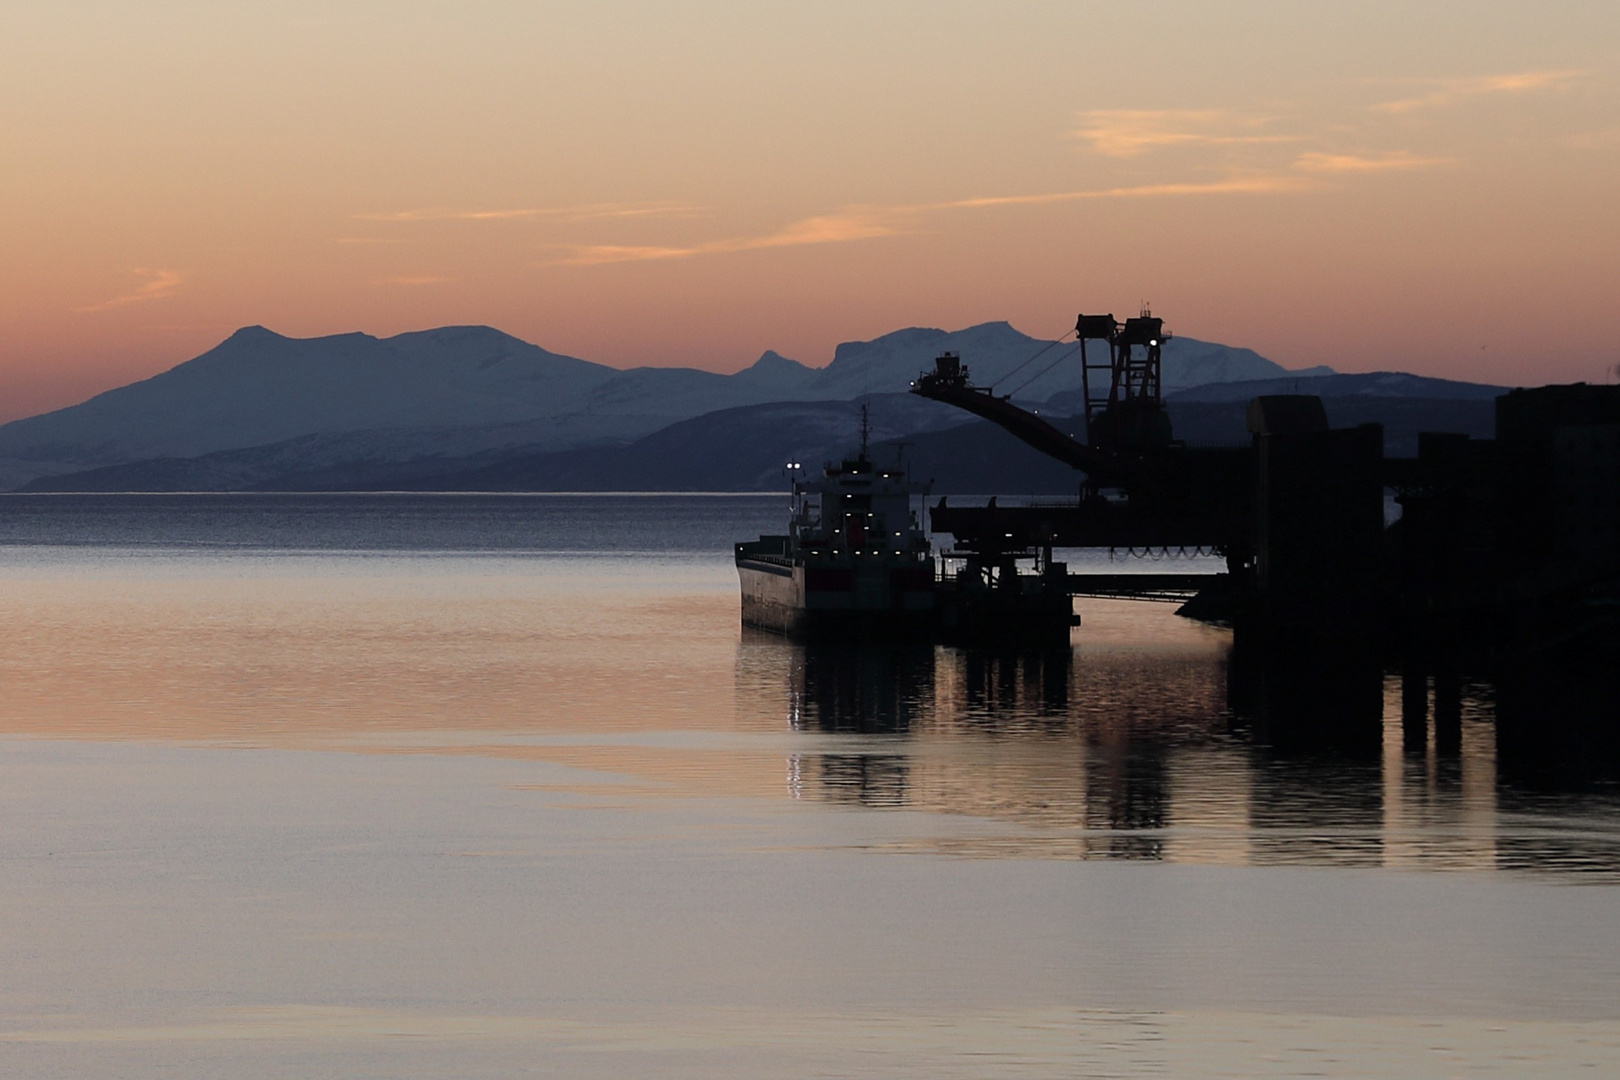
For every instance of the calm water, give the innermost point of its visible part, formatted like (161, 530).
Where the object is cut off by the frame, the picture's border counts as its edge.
(489, 786)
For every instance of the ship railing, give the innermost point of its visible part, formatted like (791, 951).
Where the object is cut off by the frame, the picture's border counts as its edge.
(772, 549)
(774, 560)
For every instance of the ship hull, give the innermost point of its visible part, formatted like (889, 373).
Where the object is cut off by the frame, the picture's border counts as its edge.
(880, 600)
(875, 597)
(1037, 611)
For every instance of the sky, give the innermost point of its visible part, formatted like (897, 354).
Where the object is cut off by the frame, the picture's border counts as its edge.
(1429, 187)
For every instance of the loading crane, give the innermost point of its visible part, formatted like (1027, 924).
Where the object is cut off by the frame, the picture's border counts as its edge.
(1141, 488)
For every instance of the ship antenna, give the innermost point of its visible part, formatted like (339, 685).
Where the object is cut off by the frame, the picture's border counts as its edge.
(866, 428)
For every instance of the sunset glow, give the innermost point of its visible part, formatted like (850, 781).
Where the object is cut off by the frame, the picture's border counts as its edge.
(1426, 187)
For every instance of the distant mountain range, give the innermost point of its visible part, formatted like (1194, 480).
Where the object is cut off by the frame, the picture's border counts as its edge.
(1375, 384)
(473, 408)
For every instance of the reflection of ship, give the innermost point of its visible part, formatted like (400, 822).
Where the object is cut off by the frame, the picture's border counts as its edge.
(857, 560)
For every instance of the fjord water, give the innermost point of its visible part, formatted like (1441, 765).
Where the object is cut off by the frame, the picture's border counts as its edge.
(490, 785)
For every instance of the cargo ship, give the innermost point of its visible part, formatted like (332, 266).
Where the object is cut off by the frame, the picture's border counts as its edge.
(855, 556)
(857, 561)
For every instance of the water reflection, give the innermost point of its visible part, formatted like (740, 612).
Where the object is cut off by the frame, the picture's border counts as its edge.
(1308, 696)
(869, 690)
(1152, 738)
(1559, 717)
(1174, 748)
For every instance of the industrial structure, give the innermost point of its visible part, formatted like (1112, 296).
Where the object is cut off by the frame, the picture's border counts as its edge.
(1502, 544)
(1506, 552)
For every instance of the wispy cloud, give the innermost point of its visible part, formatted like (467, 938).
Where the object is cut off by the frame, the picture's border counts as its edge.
(1120, 133)
(1256, 184)
(855, 223)
(1352, 163)
(872, 222)
(598, 254)
(157, 284)
(586, 212)
(1123, 133)
(1447, 92)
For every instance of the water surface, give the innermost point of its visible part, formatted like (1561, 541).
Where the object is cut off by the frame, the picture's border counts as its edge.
(485, 785)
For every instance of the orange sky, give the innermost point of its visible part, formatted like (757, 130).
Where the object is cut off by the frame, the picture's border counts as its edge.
(1423, 186)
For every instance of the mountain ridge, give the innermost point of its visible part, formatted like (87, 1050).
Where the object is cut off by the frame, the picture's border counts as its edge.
(480, 389)
(738, 449)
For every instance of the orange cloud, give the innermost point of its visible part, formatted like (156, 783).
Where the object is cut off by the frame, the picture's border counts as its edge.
(873, 222)
(158, 284)
(1350, 163)
(852, 224)
(1131, 132)
(1257, 184)
(1451, 91)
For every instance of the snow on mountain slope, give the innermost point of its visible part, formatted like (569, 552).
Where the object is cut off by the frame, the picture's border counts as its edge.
(1374, 384)
(998, 355)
